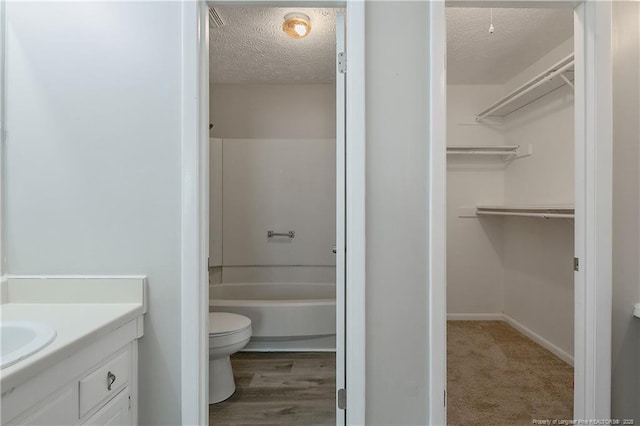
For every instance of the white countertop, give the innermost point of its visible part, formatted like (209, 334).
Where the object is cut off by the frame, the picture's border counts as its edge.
(77, 324)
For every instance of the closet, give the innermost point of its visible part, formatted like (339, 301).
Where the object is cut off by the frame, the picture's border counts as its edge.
(510, 191)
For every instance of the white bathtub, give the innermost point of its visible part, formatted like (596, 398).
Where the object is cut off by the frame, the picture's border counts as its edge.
(284, 316)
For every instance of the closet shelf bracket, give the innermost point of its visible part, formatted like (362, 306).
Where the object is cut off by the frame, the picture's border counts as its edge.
(526, 154)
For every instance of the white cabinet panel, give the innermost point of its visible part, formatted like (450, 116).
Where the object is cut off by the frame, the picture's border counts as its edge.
(59, 410)
(116, 413)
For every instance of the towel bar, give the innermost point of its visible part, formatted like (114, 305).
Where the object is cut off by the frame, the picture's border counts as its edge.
(290, 234)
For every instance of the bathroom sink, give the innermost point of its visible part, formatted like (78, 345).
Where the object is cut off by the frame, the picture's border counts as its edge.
(20, 339)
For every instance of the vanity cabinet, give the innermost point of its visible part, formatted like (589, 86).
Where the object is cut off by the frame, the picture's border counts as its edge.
(96, 386)
(115, 412)
(58, 410)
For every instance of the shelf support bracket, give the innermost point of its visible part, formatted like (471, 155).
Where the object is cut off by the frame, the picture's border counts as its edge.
(527, 154)
(566, 80)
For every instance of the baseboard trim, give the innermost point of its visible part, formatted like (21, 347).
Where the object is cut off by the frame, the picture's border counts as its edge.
(475, 317)
(566, 357)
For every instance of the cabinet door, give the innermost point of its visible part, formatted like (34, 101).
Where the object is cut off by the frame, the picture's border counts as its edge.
(116, 412)
(59, 410)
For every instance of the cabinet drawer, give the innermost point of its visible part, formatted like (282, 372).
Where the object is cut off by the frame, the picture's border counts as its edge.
(104, 383)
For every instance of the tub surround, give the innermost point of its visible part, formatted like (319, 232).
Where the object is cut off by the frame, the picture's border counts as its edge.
(263, 184)
(95, 318)
(280, 185)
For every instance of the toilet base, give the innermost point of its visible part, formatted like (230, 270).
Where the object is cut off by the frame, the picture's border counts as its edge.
(221, 382)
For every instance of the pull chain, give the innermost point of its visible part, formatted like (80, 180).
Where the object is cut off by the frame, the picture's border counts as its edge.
(491, 29)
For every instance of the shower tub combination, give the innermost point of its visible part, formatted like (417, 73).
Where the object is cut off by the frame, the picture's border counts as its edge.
(284, 316)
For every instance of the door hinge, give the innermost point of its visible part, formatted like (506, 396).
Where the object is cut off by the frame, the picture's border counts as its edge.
(342, 399)
(342, 63)
(129, 402)
(576, 264)
(445, 397)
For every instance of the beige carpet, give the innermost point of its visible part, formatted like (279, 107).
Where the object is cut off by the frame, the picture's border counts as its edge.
(497, 376)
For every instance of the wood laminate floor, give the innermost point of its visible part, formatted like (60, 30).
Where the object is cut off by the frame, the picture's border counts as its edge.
(279, 388)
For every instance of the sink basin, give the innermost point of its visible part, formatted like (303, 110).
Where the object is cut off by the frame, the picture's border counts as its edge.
(20, 339)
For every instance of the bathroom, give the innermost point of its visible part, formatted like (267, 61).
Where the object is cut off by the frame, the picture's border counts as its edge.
(273, 209)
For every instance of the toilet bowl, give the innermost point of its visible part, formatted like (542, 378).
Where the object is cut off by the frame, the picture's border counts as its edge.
(228, 333)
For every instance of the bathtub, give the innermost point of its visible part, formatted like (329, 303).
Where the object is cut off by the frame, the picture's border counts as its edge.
(284, 316)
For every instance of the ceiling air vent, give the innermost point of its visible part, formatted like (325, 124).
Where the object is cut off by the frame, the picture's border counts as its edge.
(215, 17)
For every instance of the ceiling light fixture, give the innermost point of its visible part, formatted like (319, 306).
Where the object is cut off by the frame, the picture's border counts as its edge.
(296, 25)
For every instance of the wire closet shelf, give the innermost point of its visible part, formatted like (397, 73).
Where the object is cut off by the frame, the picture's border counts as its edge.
(542, 84)
(483, 150)
(545, 212)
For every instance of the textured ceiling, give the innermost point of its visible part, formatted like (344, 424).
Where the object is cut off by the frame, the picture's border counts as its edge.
(252, 48)
(521, 37)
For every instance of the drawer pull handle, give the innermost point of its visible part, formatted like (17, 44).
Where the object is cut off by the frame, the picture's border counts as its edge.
(111, 379)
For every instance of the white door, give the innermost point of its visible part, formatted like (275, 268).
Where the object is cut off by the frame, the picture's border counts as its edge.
(340, 248)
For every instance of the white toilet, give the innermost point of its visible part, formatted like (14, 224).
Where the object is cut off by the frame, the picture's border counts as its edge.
(228, 333)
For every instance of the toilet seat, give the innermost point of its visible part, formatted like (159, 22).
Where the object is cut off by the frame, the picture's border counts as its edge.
(227, 329)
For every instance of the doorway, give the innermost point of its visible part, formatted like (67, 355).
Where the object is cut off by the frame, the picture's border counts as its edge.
(195, 205)
(276, 208)
(510, 209)
(591, 378)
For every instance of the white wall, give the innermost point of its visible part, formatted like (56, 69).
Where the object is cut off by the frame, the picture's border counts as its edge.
(546, 177)
(555, 55)
(93, 160)
(625, 397)
(397, 58)
(538, 267)
(538, 253)
(474, 246)
(2, 135)
(275, 111)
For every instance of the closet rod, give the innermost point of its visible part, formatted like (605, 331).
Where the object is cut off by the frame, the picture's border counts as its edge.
(550, 74)
(483, 152)
(483, 147)
(542, 215)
